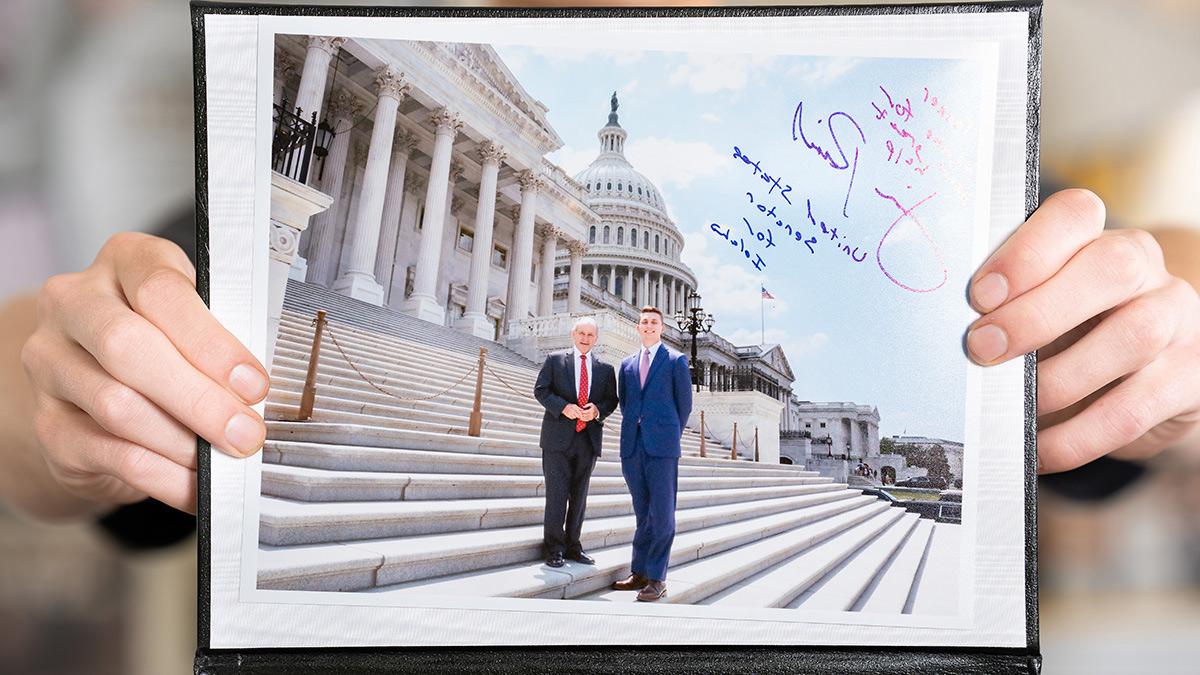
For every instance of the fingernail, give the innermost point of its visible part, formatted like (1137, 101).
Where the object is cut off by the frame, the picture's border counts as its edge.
(249, 383)
(987, 343)
(244, 433)
(990, 292)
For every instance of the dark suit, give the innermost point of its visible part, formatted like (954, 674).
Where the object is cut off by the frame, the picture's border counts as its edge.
(653, 418)
(568, 456)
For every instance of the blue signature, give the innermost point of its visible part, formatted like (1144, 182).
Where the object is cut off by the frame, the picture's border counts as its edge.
(837, 157)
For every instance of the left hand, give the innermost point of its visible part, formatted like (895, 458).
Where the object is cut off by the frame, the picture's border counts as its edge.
(590, 412)
(1117, 336)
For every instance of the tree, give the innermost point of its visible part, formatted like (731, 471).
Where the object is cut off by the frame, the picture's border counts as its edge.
(931, 458)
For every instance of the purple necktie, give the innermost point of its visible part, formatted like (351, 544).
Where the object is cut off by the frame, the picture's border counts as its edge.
(645, 366)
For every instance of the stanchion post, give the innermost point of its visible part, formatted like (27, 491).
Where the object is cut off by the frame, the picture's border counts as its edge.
(702, 434)
(309, 397)
(733, 454)
(475, 427)
(756, 442)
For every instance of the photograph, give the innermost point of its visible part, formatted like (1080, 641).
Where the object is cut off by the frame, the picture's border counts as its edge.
(622, 323)
(498, 241)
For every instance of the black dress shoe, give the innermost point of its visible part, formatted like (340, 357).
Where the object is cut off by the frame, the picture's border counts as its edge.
(582, 557)
(555, 560)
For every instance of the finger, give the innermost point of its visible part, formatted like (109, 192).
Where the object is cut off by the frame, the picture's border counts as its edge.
(1163, 390)
(140, 468)
(68, 372)
(158, 283)
(1106, 273)
(1066, 222)
(138, 355)
(1125, 341)
(68, 457)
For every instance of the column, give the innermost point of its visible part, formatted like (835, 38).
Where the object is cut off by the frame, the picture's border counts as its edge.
(523, 248)
(475, 319)
(595, 275)
(292, 204)
(285, 69)
(577, 249)
(646, 288)
(660, 296)
(358, 281)
(611, 286)
(321, 51)
(393, 204)
(321, 264)
(423, 304)
(546, 287)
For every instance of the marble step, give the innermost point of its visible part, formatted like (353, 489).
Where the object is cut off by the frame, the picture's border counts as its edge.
(366, 458)
(842, 587)
(936, 590)
(891, 589)
(584, 582)
(694, 582)
(322, 485)
(285, 522)
(317, 433)
(291, 366)
(304, 300)
(365, 564)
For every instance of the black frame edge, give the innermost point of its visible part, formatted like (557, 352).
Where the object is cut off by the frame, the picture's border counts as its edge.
(601, 659)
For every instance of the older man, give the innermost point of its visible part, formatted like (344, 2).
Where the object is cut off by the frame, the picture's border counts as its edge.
(656, 400)
(579, 392)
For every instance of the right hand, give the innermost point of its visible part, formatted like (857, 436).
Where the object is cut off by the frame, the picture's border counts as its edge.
(572, 411)
(127, 365)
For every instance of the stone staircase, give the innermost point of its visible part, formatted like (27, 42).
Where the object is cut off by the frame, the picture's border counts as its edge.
(382, 495)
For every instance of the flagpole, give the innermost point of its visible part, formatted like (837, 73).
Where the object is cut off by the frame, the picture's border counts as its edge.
(762, 315)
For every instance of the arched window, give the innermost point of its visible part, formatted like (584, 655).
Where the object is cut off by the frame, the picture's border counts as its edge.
(605, 234)
(610, 186)
(656, 243)
(639, 190)
(620, 235)
(592, 235)
(619, 188)
(646, 240)
(633, 237)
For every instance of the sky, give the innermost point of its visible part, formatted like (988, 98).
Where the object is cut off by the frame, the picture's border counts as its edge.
(867, 243)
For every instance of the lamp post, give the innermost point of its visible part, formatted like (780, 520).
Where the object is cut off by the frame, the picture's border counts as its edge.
(692, 319)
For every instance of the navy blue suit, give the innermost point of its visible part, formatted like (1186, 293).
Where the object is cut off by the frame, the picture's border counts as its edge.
(653, 418)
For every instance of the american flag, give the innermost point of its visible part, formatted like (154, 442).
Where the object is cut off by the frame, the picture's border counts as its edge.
(766, 295)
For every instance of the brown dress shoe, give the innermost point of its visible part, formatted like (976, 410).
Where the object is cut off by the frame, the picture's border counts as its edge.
(653, 591)
(633, 582)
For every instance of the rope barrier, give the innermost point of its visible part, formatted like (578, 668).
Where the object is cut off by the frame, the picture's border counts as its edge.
(381, 389)
(501, 380)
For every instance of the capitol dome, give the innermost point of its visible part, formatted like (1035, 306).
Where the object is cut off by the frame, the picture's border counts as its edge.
(611, 177)
(634, 252)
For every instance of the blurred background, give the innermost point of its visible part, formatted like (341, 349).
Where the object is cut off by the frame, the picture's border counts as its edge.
(96, 137)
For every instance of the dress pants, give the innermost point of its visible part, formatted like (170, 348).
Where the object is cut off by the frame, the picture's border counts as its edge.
(567, 474)
(653, 482)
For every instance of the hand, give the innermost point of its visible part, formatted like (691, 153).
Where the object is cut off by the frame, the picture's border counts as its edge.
(591, 412)
(1116, 334)
(572, 411)
(126, 363)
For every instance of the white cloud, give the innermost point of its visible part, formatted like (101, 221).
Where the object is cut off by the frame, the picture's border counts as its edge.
(711, 73)
(629, 88)
(561, 58)
(730, 291)
(673, 163)
(710, 118)
(573, 160)
(823, 72)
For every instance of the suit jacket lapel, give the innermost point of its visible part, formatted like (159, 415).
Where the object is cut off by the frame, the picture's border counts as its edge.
(656, 363)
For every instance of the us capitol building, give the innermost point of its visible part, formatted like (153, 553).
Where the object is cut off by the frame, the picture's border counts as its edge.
(413, 176)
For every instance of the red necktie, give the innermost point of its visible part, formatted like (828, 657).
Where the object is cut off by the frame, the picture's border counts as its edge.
(583, 389)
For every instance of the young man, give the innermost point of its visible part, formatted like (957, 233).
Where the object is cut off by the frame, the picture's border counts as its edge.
(578, 392)
(656, 399)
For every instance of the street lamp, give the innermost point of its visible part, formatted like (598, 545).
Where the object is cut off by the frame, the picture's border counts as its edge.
(694, 320)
